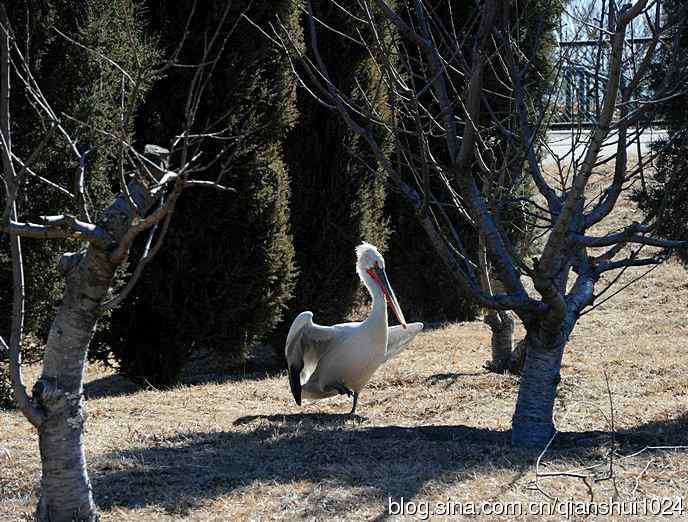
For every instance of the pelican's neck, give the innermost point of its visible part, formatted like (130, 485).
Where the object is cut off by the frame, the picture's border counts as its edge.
(378, 315)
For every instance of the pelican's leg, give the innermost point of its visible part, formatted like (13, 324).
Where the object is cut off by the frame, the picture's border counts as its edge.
(341, 389)
(353, 410)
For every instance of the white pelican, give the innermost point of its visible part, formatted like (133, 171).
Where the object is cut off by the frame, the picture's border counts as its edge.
(328, 360)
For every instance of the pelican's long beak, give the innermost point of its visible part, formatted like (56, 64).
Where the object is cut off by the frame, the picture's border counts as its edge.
(380, 277)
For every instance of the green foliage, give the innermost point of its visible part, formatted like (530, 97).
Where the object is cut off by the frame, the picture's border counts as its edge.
(223, 277)
(668, 186)
(337, 199)
(6, 393)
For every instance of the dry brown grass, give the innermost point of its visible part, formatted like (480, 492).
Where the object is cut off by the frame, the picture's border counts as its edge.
(234, 445)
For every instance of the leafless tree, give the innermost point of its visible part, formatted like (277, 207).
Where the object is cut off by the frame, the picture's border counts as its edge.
(434, 74)
(150, 189)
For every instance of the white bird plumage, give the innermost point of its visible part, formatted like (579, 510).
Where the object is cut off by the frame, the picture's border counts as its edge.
(328, 360)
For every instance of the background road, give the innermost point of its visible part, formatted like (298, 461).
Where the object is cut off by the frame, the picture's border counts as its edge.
(561, 141)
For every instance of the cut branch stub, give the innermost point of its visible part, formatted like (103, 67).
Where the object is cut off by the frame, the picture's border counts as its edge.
(158, 156)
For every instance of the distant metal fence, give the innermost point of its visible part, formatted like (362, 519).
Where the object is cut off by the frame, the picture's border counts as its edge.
(583, 77)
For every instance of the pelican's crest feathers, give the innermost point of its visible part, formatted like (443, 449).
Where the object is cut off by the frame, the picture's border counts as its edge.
(366, 249)
(367, 254)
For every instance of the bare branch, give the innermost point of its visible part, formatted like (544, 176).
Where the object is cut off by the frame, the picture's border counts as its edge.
(30, 411)
(405, 29)
(208, 184)
(148, 255)
(626, 237)
(551, 263)
(57, 227)
(629, 262)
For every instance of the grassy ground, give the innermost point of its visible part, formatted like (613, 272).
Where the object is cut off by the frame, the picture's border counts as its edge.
(234, 445)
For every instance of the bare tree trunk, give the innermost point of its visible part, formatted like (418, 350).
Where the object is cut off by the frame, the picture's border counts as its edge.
(65, 488)
(57, 407)
(502, 326)
(518, 356)
(501, 322)
(532, 423)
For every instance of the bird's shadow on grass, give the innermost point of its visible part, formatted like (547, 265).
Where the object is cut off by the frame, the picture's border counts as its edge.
(325, 419)
(335, 464)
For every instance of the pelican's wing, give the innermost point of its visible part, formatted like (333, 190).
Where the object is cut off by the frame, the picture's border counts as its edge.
(306, 343)
(398, 338)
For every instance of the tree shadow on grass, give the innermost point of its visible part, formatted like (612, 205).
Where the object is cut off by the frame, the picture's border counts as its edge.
(180, 472)
(449, 379)
(429, 326)
(111, 386)
(347, 464)
(250, 371)
(118, 384)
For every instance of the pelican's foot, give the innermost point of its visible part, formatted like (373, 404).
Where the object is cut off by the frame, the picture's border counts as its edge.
(342, 390)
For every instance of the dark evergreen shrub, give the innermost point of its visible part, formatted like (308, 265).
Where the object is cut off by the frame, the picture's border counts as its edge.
(666, 188)
(6, 393)
(77, 82)
(337, 198)
(223, 277)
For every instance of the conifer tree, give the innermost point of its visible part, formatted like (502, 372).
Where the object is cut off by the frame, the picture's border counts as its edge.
(64, 41)
(665, 189)
(338, 193)
(232, 296)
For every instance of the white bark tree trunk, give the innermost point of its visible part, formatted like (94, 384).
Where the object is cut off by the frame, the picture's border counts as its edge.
(65, 487)
(533, 423)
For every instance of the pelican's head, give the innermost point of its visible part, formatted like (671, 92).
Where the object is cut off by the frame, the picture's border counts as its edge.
(371, 269)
